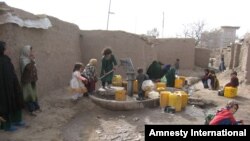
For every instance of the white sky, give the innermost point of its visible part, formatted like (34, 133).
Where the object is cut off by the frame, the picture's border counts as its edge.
(139, 16)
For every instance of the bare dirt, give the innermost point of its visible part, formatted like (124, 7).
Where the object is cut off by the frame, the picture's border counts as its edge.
(63, 120)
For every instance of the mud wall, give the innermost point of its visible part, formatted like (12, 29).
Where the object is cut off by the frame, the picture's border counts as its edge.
(236, 55)
(168, 50)
(245, 58)
(56, 50)
(247, 74)
(202, 56)
(123, 44)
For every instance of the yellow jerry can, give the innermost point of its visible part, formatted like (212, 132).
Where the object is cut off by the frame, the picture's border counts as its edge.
(175, 101)
(184, 98)
(230, 92)
(183, 78)
(120, 95)
(159, 89)
(117, 80)
(178, 83)
(164, 96)
(135, 87)
(160, 85)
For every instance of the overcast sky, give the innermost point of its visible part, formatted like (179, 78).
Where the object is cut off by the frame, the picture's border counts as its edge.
(139, 16)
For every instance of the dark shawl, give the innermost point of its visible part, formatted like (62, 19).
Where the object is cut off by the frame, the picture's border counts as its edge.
(11, 98)
(154, 71)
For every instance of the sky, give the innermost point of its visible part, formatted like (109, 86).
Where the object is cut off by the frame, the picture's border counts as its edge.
(140, 16)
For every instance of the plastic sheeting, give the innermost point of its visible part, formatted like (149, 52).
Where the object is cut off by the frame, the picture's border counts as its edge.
(41, 22)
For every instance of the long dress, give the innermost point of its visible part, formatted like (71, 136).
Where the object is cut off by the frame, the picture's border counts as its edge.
(77, 86)
(171, 77)
(108, 65)
(11, 98)
(29, 79)
(76, 83)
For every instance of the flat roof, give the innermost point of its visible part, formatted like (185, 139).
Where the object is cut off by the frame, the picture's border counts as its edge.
(236, 27)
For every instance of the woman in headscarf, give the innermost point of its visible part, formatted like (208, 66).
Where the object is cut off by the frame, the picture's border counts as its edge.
(89, 72)
(154, 71)
(11, 98)
(29, 78)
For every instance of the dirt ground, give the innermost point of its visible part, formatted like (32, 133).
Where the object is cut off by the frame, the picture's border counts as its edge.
(62, 120)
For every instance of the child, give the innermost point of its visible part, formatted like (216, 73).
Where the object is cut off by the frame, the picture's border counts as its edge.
(90, 73)
(215, 85)
(29, 79)
(108, 67)
(234, 82)
(225, 116)
(76, 84)
(205, 78)
(177, 66)
(140, 78)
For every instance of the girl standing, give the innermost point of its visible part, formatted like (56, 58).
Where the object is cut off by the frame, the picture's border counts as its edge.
(29, 78)
(76, 83)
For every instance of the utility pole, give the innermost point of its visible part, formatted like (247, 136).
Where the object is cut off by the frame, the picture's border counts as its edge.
(163, 18)
(108, 15)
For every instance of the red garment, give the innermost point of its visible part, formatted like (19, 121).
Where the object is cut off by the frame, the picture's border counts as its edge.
(222, 115)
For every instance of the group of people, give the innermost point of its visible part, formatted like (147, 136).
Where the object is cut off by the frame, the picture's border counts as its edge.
(13, 95)
(225, 115)
(210, 80)
(84, 78)
(155, 72)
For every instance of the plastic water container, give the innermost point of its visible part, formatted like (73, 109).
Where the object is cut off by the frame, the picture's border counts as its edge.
(184, 98)
(160, 85)
(179, 83)
(230, 92)
(135, 87)
(175, 100)
(117, 80)
(120, 95)
(183, 78)
(164, 96)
